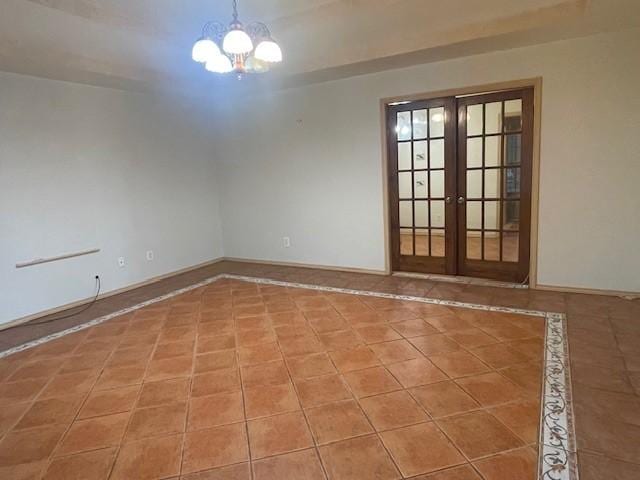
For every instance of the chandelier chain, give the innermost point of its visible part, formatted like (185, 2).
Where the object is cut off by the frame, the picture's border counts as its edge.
(235, 11)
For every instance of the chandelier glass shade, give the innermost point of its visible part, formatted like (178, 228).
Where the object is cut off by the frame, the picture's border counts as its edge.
(236, 48)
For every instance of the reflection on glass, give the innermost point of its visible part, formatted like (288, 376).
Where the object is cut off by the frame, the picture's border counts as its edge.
(512, 182)
(474, 183)
(492, 183)
(437, 184)
(437, 213)
(420, 184)
(404, 185)
(474, 152)
(422, 214)
(404, 156)
(474, 120)
(422, 243)
(419, 124)
(474, 215)
(420, 155)
(512, 149)
(513, 115)
(406, 214)
(511, 215)
(406, 241)
(493, 118)
(436, 122)
(492, 151)
(474, 245)
(403, 126)
(510, 246)
(491, 245)
(437, 153)
(492, 215)
(437, 243)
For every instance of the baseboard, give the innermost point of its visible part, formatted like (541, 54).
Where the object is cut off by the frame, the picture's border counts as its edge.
(307, 265)
(110, 293)
(590, 291)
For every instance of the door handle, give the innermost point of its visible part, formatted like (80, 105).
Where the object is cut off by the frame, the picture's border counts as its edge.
(447, 200)
(461, 200)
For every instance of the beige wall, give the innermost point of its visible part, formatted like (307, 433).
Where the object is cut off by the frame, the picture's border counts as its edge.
(306, 163)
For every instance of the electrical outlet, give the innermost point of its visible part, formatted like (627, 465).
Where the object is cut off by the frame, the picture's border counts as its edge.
(286, 242)
(121, 262)
(149, 255)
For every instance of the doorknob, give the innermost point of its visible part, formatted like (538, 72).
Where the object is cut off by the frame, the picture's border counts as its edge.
(460, 200)
(447, 200)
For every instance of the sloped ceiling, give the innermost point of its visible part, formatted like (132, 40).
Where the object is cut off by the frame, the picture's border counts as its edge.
(146, 44)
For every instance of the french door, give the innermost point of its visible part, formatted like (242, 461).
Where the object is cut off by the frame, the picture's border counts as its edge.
(460, 184)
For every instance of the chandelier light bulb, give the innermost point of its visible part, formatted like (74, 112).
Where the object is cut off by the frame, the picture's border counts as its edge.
(219, 64)
(237, 42)
(268, 51)
(204, 50)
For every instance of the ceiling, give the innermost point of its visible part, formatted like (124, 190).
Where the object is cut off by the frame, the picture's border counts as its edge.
(146, 44)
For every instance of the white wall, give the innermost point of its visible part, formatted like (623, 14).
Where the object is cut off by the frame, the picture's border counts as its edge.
(84, 167)
(306, 163)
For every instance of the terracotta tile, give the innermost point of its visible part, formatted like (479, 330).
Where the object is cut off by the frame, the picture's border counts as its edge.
(94, 465)
(444, 398)
(522, 417)
(257, 354)
(479, 434)
(595, 377)
(116, 377)
(532, 348)
(35, 369)
(471, 338)
(219, 381)
(24, 471)
(23, 391)
(396, 351)
(30, 445)
(309, 366)
(358, 458)
(164, 392)
(278, 434)
(270, 400)
(221, 360)
(130, 357)
(241, 471)
(392, 410)
(527, 376)
(173, 349)
(214, 410)
(53, 411)
(499, 355)
(305, 345)
(378, 334)
(215, 447)
(337, 421)
(355, 359)
(597, 467)
(302, 465)
(166, 369)
(340, 340)
(520, 464)
(319, 390)
(151, 458)
(434, 344)
(108, 402)
(419, 371)
(447, 322)
(274, 373)
(10, 415)
(491, 389)
(459, 364)
(94, 433)
(88, 361)
(420, 449)
(413, 328)
(245, 338)
(464, 472)
(372, 381)
(214, 344)
(330, 323)
(155, 421)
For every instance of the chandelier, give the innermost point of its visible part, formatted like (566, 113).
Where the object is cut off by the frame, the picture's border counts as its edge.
(244, 50)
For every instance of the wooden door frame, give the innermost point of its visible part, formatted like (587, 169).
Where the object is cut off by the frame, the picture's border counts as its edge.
(536, 84)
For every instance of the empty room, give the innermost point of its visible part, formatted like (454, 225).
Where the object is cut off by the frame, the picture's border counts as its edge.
(319, 240)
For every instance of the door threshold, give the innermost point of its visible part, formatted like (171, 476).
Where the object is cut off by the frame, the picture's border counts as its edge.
(482, 282)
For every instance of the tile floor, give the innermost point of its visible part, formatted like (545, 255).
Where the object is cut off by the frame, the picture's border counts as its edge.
(163, 386)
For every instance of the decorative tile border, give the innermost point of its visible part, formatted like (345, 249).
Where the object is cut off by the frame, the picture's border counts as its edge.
(557, 436)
